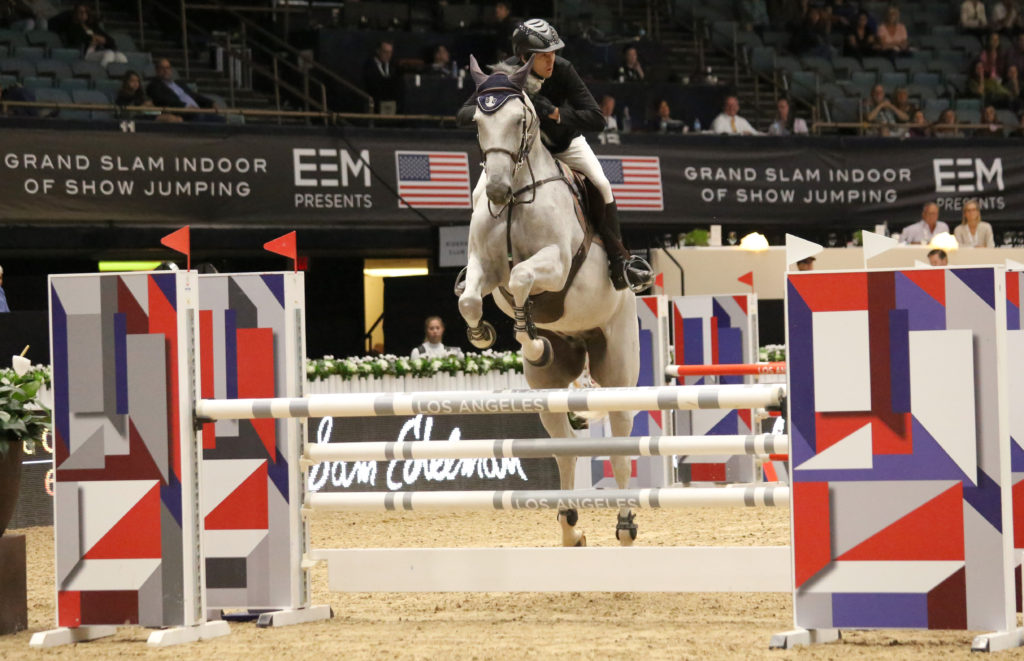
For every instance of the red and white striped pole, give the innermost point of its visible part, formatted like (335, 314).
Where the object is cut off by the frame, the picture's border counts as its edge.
(725, 369)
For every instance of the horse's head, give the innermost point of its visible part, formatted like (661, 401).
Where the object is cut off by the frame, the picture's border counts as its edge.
(505, 121)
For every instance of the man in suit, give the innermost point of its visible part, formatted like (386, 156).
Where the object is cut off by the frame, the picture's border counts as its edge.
(381, 80)
(168, 93)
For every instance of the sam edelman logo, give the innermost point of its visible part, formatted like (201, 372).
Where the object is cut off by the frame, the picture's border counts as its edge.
(964, 177)
(331, 179)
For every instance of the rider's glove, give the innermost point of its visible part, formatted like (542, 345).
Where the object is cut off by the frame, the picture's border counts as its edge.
(543, 105)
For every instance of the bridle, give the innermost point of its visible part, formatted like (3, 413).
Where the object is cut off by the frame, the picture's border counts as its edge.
(529, 125)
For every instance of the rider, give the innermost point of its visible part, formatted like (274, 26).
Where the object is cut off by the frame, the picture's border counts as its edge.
(566, 107)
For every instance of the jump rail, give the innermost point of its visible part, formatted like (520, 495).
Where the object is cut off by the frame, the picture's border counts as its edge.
(470, 402)
(725, 369)
(533, 448)
(486, 501)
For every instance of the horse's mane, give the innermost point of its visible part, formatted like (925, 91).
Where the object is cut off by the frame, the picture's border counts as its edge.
(533, 83)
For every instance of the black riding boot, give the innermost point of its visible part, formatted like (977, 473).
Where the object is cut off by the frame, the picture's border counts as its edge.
(625, 270)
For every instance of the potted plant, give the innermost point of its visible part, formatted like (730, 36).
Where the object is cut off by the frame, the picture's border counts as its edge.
(23, 421)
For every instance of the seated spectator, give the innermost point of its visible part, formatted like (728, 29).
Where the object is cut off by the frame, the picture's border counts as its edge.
(973, 232)
(938, 257)
(786, 124)
(972, 17)
(881, 111)
(892, 35)
(753, 15)
(993, 128)
(901, 102)
(981, 86)
(1005, 17)
(631, 70)
(85, 33)
(132, 94)
(607, 104)
(1012, 85)
(861, 42)
(946, 127)
(844, 16)
(919, 127)
(729, 121)
(28, 15)
(166, 92)
(504, 26)
(1015, 56)
(925, 229)
(662, 121)
(811, 37)
(992, 58)
(442, 64)
(381, 80)
(18, 93)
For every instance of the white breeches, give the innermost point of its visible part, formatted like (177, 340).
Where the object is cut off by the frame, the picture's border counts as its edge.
(579, 156)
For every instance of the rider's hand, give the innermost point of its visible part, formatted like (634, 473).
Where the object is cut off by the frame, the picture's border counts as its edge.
(543, 105)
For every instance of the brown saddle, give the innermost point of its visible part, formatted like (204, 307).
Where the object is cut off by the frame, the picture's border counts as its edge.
(548, 306)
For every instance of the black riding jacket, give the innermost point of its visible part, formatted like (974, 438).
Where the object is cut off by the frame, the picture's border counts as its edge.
(565, 90)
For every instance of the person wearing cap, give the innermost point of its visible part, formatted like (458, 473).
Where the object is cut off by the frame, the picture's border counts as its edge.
(566, 108)
(805, 264)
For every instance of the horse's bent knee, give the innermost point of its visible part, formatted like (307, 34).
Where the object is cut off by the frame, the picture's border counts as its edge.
(471, 307)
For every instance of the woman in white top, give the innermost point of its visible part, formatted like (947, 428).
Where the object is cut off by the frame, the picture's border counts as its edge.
(973, 232)
(433, 330)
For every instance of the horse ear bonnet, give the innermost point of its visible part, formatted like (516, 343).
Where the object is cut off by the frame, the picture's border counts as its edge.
(495, 91)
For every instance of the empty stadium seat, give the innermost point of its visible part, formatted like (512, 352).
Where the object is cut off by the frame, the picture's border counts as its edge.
(65, 54)
(90, 70)
(893, 79)
(880, 64)
(36, 82)
(53, 68)
(52, 96)
(71, 84)
(844, 110)
(933, 108)
(17, 67)
(94, 97)
(30, 53)
(44, 38)
(110, 87)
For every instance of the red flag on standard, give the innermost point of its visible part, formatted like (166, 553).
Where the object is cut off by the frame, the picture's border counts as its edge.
(747, 279)
(178, 241)
(659, 280)
(284, 245)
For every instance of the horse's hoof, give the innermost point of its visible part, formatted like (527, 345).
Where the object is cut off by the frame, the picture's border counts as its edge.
(545, 355)
(483, 336)
(626, 529)
(582, 541)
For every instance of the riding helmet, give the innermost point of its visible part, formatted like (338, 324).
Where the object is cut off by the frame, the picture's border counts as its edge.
(535, 36)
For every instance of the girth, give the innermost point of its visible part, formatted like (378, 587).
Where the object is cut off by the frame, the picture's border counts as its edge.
(549, 306)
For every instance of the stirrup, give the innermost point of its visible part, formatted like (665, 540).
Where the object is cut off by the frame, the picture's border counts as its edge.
(638, 274)
(460, 281)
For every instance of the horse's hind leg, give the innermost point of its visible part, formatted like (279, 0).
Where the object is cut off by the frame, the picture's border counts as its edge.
(614, 362)
(568, 364)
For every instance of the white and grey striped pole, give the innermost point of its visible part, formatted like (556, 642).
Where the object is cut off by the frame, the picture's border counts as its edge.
(475, 402)
(462, 501)
(531, 448)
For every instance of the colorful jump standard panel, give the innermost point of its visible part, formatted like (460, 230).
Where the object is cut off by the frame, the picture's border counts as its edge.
(126, 473)
(252, 344)
(900, 451)
(709, 330)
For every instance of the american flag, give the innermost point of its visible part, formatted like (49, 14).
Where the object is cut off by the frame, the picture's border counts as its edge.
(438, 179)
(636, 181)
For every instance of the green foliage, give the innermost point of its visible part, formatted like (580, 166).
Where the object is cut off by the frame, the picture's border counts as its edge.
(22, 416)
(377, 366)
(696, 237)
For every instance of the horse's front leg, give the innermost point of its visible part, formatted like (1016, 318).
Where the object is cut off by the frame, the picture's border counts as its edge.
(546, 270)
(479, 283)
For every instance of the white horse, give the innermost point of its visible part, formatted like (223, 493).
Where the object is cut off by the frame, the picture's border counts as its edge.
(523, 236)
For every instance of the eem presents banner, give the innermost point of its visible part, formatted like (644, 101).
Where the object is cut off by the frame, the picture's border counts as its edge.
(355, 176)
